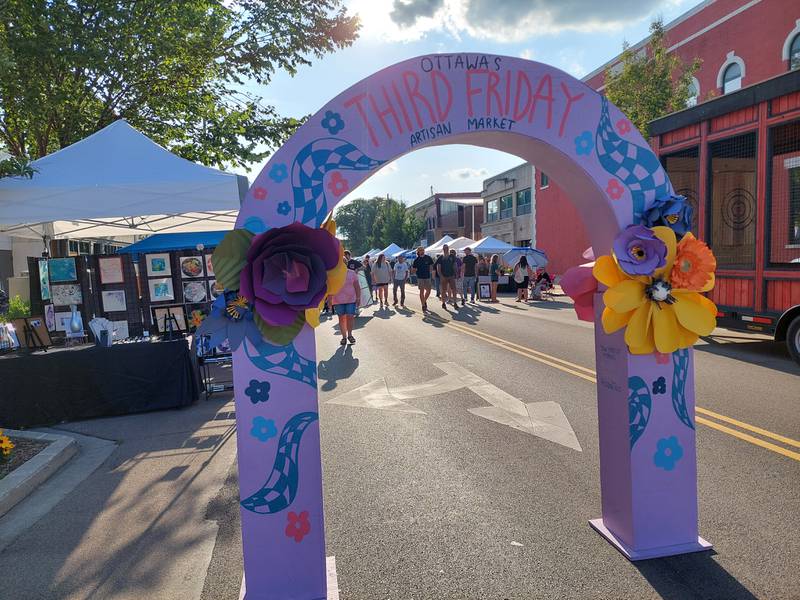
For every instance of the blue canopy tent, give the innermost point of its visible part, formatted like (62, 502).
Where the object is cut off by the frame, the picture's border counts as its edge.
(164, 242)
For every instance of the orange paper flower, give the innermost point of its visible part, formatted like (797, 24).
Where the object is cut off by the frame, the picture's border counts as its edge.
(694, 265)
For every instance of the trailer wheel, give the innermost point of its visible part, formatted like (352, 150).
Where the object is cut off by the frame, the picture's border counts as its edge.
(793, 339)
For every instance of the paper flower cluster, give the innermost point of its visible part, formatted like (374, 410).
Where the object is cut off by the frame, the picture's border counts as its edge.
(275, 281)
(654, 289)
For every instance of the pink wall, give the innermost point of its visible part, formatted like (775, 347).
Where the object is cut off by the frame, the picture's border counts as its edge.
(559, 229)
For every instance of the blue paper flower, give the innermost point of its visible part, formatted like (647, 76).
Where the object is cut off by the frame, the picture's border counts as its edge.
(673, 212)
(660, 386)
(255, 225)
(231, 318)
(668, 453)
(284, 208)
(333, 122)
(258, 391)
(263, 429)
(584, 144)
(278, 172)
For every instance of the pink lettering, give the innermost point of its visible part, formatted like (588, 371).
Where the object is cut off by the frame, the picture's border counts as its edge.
(382, 114)
(357, 101)
(413, 94)
(546, 81)
(570, 100)
(441, 112)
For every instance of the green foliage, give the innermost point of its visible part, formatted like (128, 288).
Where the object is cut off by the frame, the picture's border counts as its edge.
(17, 309)
(16, 167)
(376, 223)
(651, 84)
(177, 71)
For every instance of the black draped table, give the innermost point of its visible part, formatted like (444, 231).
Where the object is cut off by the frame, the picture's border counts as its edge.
(70, 384)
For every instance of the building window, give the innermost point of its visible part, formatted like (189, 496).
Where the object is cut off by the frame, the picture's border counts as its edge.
(492, 213)
(732, 79)
(524, 202)
(732, 201)
(523, 243)
(544, 180)
(447, 208)
(506, 207)
(460, 216)
(794, 53)
(784, 201)
(694, 93)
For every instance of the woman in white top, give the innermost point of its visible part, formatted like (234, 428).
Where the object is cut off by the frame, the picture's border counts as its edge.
(381, 274)
(522, 277)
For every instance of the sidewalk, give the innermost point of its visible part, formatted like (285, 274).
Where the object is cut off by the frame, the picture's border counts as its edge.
(136, 527)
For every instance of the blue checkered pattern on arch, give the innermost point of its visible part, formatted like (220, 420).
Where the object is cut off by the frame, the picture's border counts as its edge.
(308, 171)
(636, 166)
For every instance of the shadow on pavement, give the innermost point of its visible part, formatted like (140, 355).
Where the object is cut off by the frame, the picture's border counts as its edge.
(695, 575)
(341, 365)
(766, 353)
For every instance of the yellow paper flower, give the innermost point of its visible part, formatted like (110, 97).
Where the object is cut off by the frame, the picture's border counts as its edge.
(336, 277)
(656, 315)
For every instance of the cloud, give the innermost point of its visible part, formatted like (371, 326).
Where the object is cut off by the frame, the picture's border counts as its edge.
(518, 20)
(389, 169)
(467, 173)
(527, 54)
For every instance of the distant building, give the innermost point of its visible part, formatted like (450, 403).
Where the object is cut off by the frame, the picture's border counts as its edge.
(453, 214)
(508, 200)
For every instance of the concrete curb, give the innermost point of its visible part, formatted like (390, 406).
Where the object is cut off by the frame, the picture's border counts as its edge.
(15, 486)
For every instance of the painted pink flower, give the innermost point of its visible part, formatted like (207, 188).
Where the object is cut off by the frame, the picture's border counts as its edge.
(614, 189)
(298, 526)
(661, 358)
(337, 184)
(579, 284)
(623, 126)
(260, 193)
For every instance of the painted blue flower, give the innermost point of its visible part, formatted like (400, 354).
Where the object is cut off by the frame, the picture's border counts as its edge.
(278, 172)
(255, 225)
(263, 429)
(660, 386)
(668, 453)
(258, 391)
(333, 122)
(231, 318)
(673, 212)
(584, 144)
(284, 208)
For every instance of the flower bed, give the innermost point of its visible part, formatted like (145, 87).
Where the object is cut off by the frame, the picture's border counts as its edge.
(24, 450)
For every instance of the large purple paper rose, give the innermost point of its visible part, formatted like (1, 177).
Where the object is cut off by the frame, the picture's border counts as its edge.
(287, 271)
(639, 251)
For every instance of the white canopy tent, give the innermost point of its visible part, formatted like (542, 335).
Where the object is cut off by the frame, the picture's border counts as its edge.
(460, 243)
(391, 250)
(436, 247)
(490, 245)
(118, 182)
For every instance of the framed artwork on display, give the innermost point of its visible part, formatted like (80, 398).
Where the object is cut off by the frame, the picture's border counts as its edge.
(209, 266)
(63, 269)
(120, 330)
(50, 317)
(161, 290)
(44, 280)
(114, 300)
(62, 320)
(194, 291)
(213, 289)
(158, 265)
(191, 266)
(111, 270)
(66, 294)
(484, 291)
(159, 314)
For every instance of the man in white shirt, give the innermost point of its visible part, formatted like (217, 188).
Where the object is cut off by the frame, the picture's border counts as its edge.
(399, 278)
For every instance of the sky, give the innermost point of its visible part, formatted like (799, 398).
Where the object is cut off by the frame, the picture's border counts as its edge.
(576, 36)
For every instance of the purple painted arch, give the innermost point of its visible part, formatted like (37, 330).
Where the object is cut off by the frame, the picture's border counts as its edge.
(522, 107)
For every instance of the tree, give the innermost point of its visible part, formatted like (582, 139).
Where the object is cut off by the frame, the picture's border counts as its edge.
(355, 221)
(175, 70)
(376, 223)
(652, 83)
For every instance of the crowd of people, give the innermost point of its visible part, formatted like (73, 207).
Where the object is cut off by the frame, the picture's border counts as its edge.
(450, 275)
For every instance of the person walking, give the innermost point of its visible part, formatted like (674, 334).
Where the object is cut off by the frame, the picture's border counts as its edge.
(522, 277)
(345, 302)
(368, 275)
(421, 267)
(351, 262)
(381, 274)
(399, 278)
(458, 280)
(494, 274)
(446, 267)
(469, 275)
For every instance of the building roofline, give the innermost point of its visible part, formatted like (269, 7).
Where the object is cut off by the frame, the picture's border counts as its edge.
(780, 85)
(445, 196)
(499, 175)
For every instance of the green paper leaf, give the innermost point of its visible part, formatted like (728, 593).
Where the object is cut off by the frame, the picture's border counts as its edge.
(280, 335)
(230, 256)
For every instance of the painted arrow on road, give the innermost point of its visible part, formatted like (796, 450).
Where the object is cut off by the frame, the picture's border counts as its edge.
(545, 420)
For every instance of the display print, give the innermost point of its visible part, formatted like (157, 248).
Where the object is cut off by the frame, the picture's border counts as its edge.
(114, 300)
(66, 294)
(209, 266)
(191, 266)
(120, 329)
(44, 280)
(161, 290)
(110, 270)
(63, 269)
(158, 265)
(50, 317)
(62, 320)
(194, 291)
(176, 311)
(484, 291)
(214, 289)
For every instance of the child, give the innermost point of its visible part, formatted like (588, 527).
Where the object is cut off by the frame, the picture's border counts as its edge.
(344, 303)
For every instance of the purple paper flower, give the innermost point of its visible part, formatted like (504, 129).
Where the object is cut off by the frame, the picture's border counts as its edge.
(231, 318)
(639, 251)
(673, 212)
(287, 271)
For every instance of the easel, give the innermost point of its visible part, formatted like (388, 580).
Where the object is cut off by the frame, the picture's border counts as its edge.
(170, 326)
